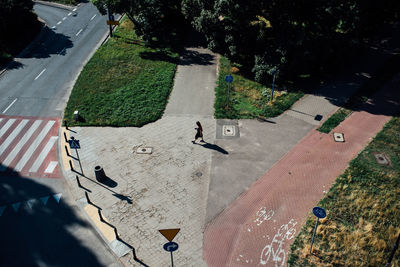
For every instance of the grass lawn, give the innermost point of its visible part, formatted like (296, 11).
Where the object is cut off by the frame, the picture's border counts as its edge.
(334, 120)
(249, 99)
(123, 84)
(363, 211)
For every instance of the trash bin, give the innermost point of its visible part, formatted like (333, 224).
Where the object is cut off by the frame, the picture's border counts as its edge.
(100, 175)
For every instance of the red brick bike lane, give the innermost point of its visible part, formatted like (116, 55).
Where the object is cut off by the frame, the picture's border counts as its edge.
(258, 228)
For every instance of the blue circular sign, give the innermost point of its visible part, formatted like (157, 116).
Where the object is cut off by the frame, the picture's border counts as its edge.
(228, 78)
(171, 246)
(319, 212)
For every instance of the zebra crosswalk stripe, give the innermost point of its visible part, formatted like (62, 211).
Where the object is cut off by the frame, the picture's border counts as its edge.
(43, 154)
(33, 146)
(12, 136)
(4, 129)
(20, 144)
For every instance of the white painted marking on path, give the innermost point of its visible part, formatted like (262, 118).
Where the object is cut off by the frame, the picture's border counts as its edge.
(58, 23)
(44, 200)
(33, 146)
(74, 9)
(57, 197)
(70, 13)
(93, 16)
(40, 74)
(50, 168)
(39, 160)
(12, 136)
(64, 18)
(31, 202)
(6, 126)
(20, 144)
(78, 32)
(276, 247)
(10, 105)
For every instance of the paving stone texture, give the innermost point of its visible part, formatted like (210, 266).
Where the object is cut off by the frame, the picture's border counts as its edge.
(184, 185)
(165, 189)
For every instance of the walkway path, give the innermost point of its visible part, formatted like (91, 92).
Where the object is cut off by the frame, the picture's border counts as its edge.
(184, 185)
(258, 227)
(167, 188)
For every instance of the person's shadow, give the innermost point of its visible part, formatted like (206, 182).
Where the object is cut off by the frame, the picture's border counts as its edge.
(212, 146)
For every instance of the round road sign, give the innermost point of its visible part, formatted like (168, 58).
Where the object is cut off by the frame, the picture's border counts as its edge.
(319, 212)
(170, 246)
(228, 78)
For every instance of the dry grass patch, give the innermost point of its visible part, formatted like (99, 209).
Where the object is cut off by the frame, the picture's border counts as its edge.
(363, 211)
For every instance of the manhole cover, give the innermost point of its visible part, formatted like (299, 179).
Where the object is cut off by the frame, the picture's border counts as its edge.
(381, 158)
(338, 137)
(318, 117)
(198, 174)
(228, 130)
(144, 150)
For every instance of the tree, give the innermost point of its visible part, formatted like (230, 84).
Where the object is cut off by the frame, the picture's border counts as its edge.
(154, 20)
(18, 25)
(296, 36)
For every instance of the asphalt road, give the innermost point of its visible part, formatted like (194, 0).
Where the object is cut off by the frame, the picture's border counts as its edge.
(38, 83)
(41, 224)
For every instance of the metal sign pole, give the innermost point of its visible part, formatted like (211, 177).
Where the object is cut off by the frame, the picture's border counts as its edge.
(109, 18)
(273, 84)
(229, 88)
(319, 213)
(396, 245)
(172, 260)
(79, 160)
(315, 229)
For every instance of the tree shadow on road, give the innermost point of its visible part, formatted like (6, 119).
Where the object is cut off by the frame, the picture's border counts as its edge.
(190, 57)
(48, 43)
(36, 226)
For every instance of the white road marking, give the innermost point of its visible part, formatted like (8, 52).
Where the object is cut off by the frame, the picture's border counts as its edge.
(33, 146)
(58, 23)
(50, 168)
(10, 105)
(39, 160)
(6, 126)
(12, 136)
(93, 16)
(78, 32)
(70, 13)
(74, 9)
(20, 144)
(44, 200)
(54, 27)
(62, 51)
(64, 18)
(40, 74)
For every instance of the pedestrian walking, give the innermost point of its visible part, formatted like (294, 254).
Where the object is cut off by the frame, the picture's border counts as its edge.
(199, 133)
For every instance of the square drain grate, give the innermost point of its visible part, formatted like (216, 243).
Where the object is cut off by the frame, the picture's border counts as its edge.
(228, 130)
(144, 150)
(338, 137)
